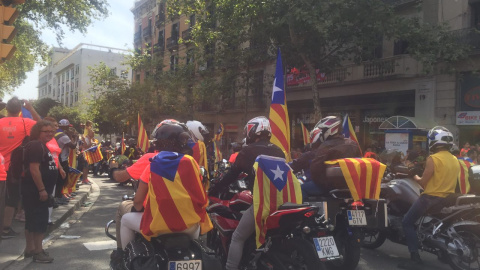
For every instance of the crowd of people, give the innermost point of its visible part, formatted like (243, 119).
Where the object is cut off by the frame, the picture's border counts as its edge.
(172, 191)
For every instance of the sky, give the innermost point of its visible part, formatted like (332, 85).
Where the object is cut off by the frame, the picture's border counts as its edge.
(114, 31)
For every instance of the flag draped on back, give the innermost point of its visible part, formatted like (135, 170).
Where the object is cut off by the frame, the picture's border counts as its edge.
(278, 117)
(363, 176)
(275, 184)
(219, 134)
(199, 153)
(123, 146)
(218, 155)
(143, 142)
(305, 134)
(463, 182)
(93, 154)
(349, 132)
(176, 199)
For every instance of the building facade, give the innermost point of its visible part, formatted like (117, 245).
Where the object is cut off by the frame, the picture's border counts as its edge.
(370, 92)
(66, 77)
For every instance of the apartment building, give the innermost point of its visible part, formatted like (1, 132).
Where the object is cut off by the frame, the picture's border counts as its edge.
(66, 78)
(371, 92)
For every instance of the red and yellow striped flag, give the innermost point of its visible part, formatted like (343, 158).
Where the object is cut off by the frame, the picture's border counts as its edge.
(142, 142)
(305, 134)
(123, 146)
(463, 182)
(93, 154)
(72, 158)
(176, 199)
(279, 120)
(363, 176)
(275, 184)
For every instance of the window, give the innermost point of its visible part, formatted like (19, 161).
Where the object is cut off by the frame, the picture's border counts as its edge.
(113, 72)
(190, 58)
(49, 89)
(161, 39)
(257, 84)
(76, 84)
(192, 21)
(173, 62)
(71, 74)
(76, 97)
(175, 31)
(400, 47)
(475, 9)
(124, 74)
(137, 77)
(68, 75)
(77, 69)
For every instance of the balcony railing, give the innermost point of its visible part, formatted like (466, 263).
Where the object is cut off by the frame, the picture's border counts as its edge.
(172, 43)
(399, 2)
(137, 37)
(159, 48)
(160, 19)
(187, 34)
(147, 32)
(397, 66)
(468, 36)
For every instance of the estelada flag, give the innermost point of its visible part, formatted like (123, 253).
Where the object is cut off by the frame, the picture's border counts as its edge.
(176, 199)
(93, 154)
(73, 176)
(219, 134)
(305, 134)
(463, 182)
(279, 120)
(25, 113)
(143, 141)
(363, 176)
(275, 184)
(72, 158)
(199, 153)
(349, 132)
(124, 147)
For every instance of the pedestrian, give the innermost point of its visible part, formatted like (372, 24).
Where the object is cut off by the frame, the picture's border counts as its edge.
(65, 144)
(40, 177)
(464, 150)
(87, 142)
(13, 130)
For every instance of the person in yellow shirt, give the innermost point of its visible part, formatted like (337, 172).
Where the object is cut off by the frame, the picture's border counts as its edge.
(439, 179)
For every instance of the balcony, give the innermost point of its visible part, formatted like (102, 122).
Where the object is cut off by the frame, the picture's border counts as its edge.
(187, 34)
(137, 37)
(401, 66)
(469, 37)
(147, 32)
(159, 48)
(172, 43)
(160, 20)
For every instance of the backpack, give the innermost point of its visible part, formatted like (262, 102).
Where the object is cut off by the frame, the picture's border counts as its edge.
(16, 168)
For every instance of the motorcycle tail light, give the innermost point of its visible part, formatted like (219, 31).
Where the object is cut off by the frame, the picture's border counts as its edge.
(321, 233)
(357, 204)
(309, 213)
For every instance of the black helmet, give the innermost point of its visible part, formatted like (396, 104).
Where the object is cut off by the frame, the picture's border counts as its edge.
(171, 137)
(236, 147)
(107, 143)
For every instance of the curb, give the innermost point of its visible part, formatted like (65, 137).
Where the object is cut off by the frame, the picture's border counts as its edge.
(20, 263)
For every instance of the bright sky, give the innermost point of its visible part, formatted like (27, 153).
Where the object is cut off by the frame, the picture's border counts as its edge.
(115, 31)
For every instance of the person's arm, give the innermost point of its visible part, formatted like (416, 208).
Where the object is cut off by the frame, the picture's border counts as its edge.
(427, 173)
(62, 172)
(37, 179)
(121, 175)
(302, 163)
(140, 195)
(30, 108)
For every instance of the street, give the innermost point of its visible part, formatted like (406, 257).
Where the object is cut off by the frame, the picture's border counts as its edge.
(80, 243)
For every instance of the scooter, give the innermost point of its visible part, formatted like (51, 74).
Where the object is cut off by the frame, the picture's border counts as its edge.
(450, 230)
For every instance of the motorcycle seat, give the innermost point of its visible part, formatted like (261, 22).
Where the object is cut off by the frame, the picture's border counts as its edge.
(450, 200)
(290, 205)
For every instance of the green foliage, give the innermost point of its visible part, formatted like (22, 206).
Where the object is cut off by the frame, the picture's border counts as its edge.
(73, 115)
(44, 105)
(38, 16)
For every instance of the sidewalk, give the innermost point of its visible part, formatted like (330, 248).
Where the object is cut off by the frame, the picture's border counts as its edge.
(12, 249)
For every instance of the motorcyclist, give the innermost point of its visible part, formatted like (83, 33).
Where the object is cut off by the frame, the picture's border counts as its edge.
(257, 133)
(179, 207)
(439, 179)
(333, 146)
(132, 151)
(305, 160)
(236, 147)
(200, 137)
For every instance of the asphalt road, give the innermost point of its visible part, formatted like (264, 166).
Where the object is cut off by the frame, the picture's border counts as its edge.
(81, 242)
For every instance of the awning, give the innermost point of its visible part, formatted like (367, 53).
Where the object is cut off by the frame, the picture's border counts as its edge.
(404, 122)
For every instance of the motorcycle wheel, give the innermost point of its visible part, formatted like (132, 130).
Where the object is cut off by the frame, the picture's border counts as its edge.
(470, 236)
(349, 247)
(374, 239)
(298, 254)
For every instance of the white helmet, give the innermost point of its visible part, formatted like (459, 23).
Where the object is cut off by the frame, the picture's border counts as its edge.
(258, 126)
(329, 126)
(439, 136)
(198, 131)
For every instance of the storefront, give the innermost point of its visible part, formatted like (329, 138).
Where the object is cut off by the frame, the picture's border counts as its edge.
(403, 133)
(468, 112)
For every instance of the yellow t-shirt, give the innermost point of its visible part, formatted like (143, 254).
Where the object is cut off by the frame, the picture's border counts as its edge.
(444, 179)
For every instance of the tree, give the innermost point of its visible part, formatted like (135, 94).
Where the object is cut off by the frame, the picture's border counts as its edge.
(44, 105)
(314, 34)
(73, 115)
(38, 16)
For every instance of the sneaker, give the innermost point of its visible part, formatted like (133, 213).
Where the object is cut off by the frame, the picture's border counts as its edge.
(10, 234)
(415, 257)
(42, 257)
(27, 255)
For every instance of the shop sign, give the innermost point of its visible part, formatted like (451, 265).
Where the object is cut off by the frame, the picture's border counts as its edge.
(419, 138)
(468, 118)
(397, 141)
(374, 119)
(231, 128)
(472, 97)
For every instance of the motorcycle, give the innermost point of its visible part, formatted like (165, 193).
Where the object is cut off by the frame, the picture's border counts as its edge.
(284, 247)
(165, 252)
(117, 162)
(345, 221)
(450, 230)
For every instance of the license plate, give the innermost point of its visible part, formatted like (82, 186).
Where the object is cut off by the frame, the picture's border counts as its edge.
(356, 218)
(185, 265)
(326, 247)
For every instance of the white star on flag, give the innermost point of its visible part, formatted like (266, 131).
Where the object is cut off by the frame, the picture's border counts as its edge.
(278, 173)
